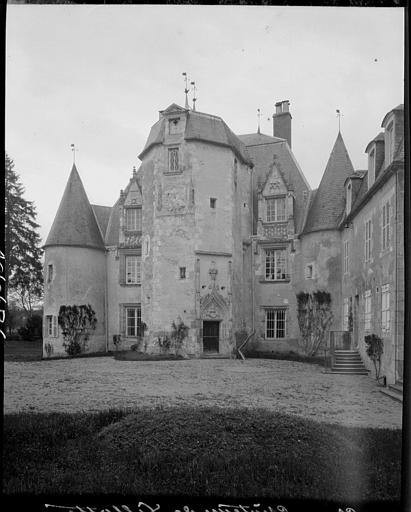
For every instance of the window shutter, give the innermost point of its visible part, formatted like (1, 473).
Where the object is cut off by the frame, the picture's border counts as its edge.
(122, 269)
(122, 320)
(54, 325)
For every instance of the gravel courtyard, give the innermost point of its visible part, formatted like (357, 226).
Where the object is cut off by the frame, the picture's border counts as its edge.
(94, 384)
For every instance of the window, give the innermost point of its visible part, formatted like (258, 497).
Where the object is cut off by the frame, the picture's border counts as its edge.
(173, 165)
(385, 307)
(385, 236)
(368, 239)
(50, 273)
(133, 321)
(371, 168)
(346, 313)
(182, 272)
(275, 323)
(275, 209)
(367, 310)
(275, 264)
(133, 219)
(51, 326)
(309, 272)
(213, 202)
(133, 269)
(346, 256)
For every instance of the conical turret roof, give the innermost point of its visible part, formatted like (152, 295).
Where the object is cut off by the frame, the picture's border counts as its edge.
(75, 223)
(329, 202)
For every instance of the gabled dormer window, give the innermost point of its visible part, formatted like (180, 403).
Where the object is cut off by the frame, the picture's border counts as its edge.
(275, 209)
(371, 168)
(133, 219)
(389, 143)
(349, 198)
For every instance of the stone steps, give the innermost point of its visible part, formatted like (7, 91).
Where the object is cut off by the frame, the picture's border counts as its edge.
(348, 362)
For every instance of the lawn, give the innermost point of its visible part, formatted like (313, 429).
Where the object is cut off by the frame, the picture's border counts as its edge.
(198, 452)
(16, 350)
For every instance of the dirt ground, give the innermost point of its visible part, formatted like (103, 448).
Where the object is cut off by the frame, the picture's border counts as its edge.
(94, 384)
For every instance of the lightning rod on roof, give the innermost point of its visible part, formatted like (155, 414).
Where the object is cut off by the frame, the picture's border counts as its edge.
(73, 149)
(339, 119)
(186, 90)
(259, 116)
(194, 94)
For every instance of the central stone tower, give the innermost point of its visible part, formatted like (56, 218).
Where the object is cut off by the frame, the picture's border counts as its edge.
(196, 230)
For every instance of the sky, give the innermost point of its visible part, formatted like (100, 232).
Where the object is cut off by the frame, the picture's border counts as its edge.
(97, 75)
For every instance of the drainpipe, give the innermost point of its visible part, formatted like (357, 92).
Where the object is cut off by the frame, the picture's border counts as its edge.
(106, 302)
(396, 279)
(244, 343)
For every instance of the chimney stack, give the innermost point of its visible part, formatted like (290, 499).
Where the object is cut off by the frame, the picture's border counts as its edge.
(282, 121)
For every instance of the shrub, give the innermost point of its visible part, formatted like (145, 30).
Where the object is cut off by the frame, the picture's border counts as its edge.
(76, 322)
(32, 328)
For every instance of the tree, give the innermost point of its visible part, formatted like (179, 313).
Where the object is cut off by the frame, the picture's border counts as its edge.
(375, 349)
(23, 254)
(314, 318)
(76, 323)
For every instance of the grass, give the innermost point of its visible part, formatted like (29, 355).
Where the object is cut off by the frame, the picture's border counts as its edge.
(17, 350)
(132, 355)
(286, 356)
(198, 452)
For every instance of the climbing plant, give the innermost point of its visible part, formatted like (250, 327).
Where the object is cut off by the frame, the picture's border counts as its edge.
(178, 334)
(375, 349)
(76, 322)
(314, 318)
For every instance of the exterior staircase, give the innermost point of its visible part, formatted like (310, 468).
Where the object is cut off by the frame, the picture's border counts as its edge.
(348, 362)
(395, 391)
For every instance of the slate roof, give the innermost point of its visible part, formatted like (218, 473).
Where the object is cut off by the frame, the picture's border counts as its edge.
(398, 107)
(75, 223)
(255, 139)
(213, 129)
(379, 137)
(199, 126)
(102, 214)
(262, 149)
(113, 226)
(328, 205)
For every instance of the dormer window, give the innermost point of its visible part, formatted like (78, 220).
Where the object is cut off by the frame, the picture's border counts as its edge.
(389, 144)
(275, 209)
(371, 168)
(133, 219)
(349, 198)
(173, 163)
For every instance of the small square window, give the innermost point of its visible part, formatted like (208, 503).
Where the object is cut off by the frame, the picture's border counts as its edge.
(182, 272)
(213, 202)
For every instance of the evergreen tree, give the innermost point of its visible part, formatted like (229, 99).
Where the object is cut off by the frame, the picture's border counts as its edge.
(23, 254)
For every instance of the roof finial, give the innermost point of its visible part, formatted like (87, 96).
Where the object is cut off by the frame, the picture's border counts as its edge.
(73, 149)
(339, 120)
(134, 171)
(194, 94)
(186, 90)
(259, 116)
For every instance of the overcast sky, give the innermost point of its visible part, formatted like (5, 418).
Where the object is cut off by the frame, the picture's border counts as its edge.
(97, 76)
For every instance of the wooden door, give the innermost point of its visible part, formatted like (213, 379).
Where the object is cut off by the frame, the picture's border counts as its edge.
(211, 330)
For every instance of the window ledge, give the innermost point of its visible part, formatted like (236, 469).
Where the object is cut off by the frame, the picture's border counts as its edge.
(130, 284)
(275, 280)
(172, 173)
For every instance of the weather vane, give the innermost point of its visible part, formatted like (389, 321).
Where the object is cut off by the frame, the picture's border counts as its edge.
(259, 118)
(339, 118)
(194, 94)
(73, 148)
(186, 90)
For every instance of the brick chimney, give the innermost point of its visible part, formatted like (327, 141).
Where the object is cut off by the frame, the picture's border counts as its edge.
(282, 121)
